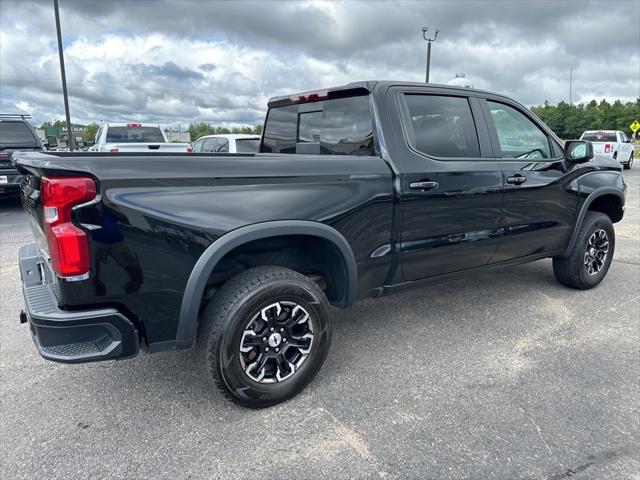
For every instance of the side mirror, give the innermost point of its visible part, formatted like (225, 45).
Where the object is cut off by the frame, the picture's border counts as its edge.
(578, 151)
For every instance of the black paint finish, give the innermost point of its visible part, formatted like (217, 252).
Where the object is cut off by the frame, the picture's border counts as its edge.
(156, 215)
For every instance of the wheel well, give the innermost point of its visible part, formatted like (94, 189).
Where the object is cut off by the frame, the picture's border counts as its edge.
(315, 257)
(609, 205)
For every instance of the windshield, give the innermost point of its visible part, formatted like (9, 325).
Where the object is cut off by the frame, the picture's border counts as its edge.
(247, 145)
(16, 133)
(134, 135)
(600, 136)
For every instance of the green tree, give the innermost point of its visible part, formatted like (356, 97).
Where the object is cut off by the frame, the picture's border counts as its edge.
(90, 132)
(569, 121)
(197, 130)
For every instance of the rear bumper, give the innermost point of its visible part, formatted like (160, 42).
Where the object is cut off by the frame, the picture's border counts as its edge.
(71, 336)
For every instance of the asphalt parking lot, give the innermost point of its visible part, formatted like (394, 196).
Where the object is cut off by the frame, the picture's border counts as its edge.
(502, 375)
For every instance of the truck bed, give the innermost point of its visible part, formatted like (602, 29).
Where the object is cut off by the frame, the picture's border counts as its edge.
(169, 208)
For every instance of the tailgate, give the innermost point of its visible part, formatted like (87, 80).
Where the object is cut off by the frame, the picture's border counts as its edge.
(598, 147)
(30, 193)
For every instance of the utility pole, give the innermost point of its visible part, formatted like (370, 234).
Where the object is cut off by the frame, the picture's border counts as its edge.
(571, 86)
(429, 40)
(70, 139)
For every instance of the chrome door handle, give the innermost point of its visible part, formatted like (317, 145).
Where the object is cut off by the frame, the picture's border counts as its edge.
(424, 186)
(517, 179)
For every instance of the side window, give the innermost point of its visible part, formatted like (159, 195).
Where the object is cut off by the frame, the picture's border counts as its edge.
(197, 147)
(519, 137)
(281, 129)
(623, 137)
(208, 145)
(442, 126)
(222, 145)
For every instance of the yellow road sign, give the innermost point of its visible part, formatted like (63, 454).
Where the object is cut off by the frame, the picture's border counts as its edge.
(635, 126)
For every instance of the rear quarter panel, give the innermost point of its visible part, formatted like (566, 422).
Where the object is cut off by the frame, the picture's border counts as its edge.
(155, 215)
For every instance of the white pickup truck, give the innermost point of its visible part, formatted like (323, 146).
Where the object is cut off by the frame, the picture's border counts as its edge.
(135, 137)
(611, 143)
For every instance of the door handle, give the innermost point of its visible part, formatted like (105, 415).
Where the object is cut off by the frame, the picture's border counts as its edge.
(517, 179)
(424, 185)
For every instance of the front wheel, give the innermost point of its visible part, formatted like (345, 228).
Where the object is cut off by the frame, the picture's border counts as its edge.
(629, 164)
(265, 335)
(589, 260)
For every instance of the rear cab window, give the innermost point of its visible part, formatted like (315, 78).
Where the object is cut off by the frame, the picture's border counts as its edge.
(134, 134)
(600, 137)
(247, 145)
(331, 126)
(16, 134)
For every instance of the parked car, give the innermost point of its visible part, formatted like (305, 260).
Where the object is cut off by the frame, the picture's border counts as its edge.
(231, 143)
(134, 137)
(613, 143)
(360, 191)
(16, 133)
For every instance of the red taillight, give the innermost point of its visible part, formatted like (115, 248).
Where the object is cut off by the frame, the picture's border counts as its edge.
(134, 124)
(607, 148)
(309, 96)
(189, 150)
(4, 154)
(68, 244)
(114, 150)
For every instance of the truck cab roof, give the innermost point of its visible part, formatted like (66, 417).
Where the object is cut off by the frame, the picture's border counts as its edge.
(368, 86)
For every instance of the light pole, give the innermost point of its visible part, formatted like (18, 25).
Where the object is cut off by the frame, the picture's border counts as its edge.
(429, 40)
(571, 86)
(64, 78)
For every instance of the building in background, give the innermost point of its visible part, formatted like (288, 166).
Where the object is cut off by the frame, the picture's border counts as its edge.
(62, 136)
(175, 136)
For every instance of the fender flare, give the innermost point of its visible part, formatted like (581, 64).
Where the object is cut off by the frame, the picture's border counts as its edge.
(597, 193)
(194, 290)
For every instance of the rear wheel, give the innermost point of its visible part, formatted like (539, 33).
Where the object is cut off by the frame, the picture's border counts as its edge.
(590, 258)
(265, 335)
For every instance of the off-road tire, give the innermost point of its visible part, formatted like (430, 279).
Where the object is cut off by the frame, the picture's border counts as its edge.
(224, 319)
(570, 270)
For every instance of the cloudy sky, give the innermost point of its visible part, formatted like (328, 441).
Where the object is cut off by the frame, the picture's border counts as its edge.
(178, 62)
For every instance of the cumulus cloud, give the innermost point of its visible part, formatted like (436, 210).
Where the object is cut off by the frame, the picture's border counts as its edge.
(178, 62)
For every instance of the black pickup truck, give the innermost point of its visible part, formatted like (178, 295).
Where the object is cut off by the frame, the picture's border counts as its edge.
(16, 133)
(358, 191)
